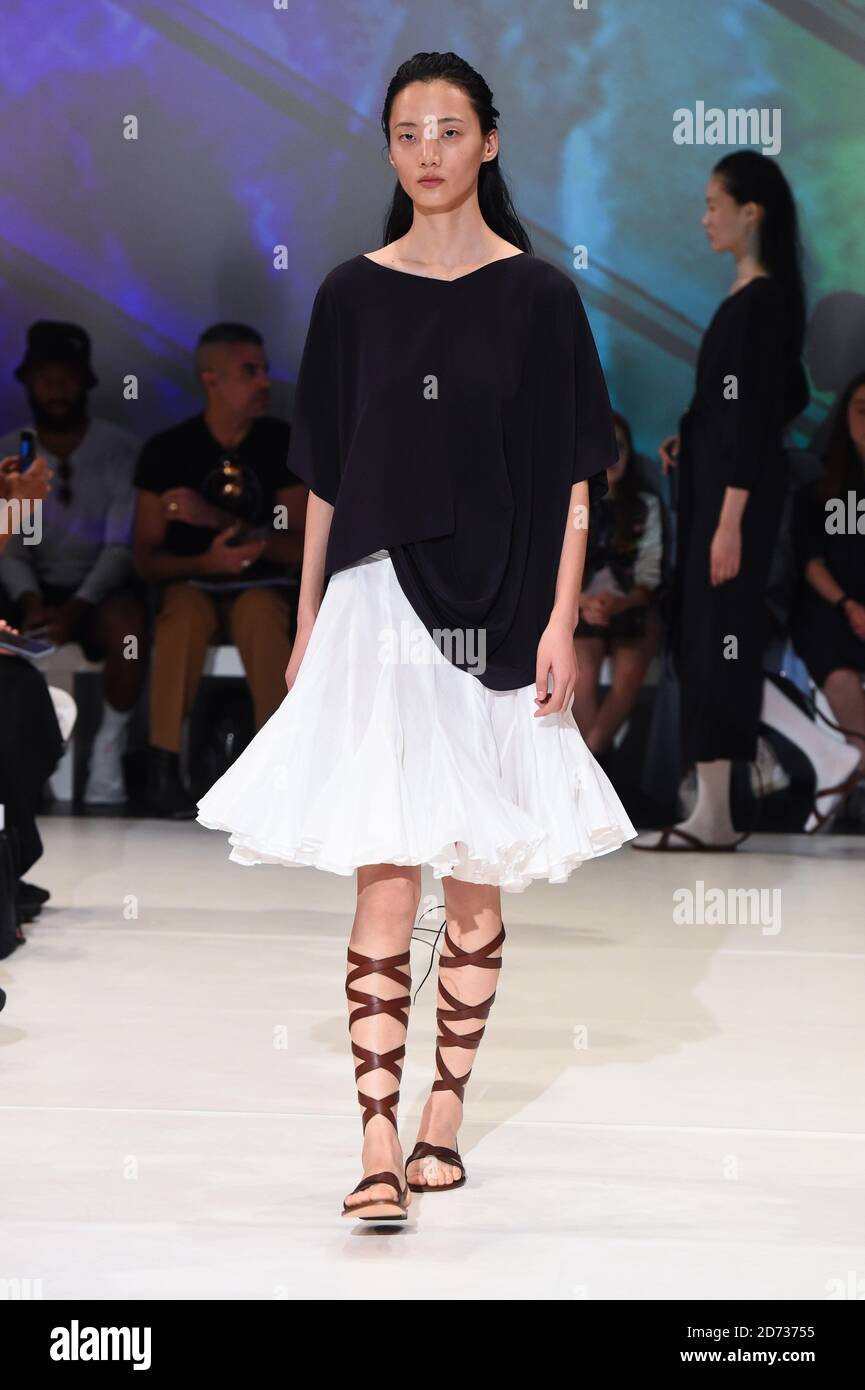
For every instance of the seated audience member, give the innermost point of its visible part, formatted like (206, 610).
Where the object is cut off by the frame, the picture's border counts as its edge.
(828, 614)
(79, 580)
(219, 523)
(30, 739)
(618, 612)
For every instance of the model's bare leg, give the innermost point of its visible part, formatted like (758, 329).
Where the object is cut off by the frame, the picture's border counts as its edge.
(379, 1002)
(466, 990)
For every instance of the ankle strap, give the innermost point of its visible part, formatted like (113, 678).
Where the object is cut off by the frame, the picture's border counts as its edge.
(481, 956)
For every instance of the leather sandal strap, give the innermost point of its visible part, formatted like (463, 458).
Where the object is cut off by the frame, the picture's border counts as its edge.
(375, 1178)
(375, 1061)
(460, 1011)
(388, 966)
(424, 1150)
(371, 1006)
(476, 957)
(378, 1105)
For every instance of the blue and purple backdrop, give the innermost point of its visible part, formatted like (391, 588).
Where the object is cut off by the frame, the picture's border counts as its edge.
(258, 125)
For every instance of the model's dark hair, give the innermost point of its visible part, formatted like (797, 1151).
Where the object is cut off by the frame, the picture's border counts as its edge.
(230, 333)
(494, 197)
(841, 462)
(630, 509)
(751, 177)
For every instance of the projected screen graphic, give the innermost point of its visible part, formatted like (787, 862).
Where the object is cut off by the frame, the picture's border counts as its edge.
(256, 126)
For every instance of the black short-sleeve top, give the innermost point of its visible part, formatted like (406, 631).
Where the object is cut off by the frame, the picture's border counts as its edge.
(750, 384)
(188, 455)
(447, 421)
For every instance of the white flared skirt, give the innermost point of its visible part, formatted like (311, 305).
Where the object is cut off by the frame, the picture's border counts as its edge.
(383, 752)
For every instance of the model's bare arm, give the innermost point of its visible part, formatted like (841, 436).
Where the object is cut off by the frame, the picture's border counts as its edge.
(556, 650)
(319, 515)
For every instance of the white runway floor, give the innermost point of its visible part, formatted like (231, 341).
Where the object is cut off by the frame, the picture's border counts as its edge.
(657, 1110)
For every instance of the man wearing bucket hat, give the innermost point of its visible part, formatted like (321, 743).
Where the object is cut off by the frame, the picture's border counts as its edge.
(78, 581)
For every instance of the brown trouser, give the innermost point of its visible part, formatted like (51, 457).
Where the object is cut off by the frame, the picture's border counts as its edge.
(256, 621)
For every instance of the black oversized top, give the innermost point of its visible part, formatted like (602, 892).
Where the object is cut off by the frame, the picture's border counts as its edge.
(446, 421)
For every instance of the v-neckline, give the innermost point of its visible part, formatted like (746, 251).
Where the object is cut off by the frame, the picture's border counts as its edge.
(438, 279)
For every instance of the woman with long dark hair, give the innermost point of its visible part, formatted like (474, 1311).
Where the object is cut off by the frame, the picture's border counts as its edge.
(451, 415)
(732, 482)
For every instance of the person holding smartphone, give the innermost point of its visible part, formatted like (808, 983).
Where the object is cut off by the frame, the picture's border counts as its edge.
(76, 581)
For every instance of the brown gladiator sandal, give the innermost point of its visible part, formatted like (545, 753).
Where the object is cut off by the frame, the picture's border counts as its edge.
(369, 1005)
(446, 1081)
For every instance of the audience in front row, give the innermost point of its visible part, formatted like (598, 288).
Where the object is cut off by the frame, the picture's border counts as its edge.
(828, 616)
(202, 485)
(208, 524)
(79, 580)
(31, 741)
(618, 610)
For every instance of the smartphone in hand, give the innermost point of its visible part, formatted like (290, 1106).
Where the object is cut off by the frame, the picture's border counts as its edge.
(26, 450)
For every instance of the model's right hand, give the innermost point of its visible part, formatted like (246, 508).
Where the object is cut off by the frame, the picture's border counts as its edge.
(222, 558)
(669, 452)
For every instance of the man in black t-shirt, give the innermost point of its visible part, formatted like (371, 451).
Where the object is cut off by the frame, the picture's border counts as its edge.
(219, 525)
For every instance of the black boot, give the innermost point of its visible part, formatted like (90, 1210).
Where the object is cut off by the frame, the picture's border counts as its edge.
(166, 794)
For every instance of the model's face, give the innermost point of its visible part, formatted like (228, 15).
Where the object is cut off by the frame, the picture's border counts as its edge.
(436, 145)
(730, 226)
(237, 375)
(856, 421)
(615, 472)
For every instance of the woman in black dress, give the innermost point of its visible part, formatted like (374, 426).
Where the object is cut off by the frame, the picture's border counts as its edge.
(732, 481)
(828, 616)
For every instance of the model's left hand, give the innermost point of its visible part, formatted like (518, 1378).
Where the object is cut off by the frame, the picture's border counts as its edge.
(725, 555)
(556, 653)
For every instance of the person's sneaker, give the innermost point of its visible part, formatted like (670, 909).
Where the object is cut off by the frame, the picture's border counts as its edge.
(106, 785)
(166, 794)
